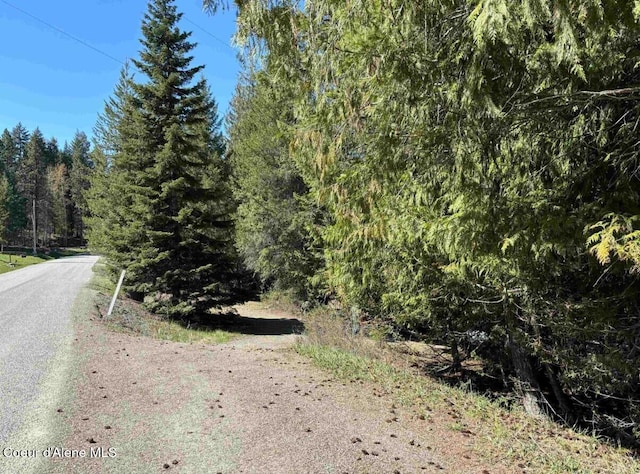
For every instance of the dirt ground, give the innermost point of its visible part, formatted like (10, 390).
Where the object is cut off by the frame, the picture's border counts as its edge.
(252, 405)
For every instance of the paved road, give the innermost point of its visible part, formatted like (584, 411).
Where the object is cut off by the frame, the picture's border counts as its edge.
(35, 327)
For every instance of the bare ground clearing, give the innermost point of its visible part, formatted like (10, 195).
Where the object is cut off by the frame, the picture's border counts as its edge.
(252, 405)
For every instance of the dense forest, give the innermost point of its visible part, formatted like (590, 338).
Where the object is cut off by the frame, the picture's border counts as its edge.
(457, 172)
(42, 187)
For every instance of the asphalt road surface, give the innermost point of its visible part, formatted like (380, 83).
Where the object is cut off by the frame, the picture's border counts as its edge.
(35, 329)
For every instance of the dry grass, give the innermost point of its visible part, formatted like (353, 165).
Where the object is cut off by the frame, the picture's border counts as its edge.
(504, 435)
(281, 301)
(130, 317)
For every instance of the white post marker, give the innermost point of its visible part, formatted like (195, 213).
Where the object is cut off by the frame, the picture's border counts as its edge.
(115, 295)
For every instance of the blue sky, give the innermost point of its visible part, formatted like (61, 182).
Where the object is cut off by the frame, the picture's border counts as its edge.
(51, 81)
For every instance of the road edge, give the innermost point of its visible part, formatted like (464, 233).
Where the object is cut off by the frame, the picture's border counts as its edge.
(56, 390)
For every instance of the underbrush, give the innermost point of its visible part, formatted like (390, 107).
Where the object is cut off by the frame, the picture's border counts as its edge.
(130, 317)
(281, 300)
(502, 431)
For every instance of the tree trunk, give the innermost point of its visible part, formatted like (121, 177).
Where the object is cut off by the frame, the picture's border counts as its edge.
(551, 377)
(563, 403)
(526, 383)
(456, 360)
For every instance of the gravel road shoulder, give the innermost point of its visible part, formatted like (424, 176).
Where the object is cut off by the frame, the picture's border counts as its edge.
(252, 405)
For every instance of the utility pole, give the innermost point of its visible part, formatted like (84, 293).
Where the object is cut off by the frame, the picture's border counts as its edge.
(35, 239)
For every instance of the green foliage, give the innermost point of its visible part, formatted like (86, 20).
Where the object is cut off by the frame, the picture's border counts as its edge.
(78, 182)
(107, 222)
(160, 206)
(274, 216)
(478, 162)
(31, 166)
(41, 173)
(7, 153)
(4, 207)
(36, 169)
(57, 181)
(617, 236)
(14, 201)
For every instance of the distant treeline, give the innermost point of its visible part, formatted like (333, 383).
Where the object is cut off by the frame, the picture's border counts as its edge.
(37, 175)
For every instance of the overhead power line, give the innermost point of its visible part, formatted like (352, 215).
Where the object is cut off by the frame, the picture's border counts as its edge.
(221, 41)
(104, 53)
(75, 38)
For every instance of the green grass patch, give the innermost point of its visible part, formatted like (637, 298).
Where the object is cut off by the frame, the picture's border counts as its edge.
(172, 331)
(10, 262)
(17, 259)
(502, 435)
(101, 281)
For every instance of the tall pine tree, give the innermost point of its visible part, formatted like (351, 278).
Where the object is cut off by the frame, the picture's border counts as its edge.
(79, 180)
(31, 181)
(15, 202)
(4, 208)
(106, 224)
(20, 137)
(171, 204)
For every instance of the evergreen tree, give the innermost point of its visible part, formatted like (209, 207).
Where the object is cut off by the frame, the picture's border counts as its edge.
(105, 224)
(106, 133)
(35, 169)
(52, 153)
(7, 152)
(15, 202)
(31, 181)
(58, 178)
(173, 206)
(469, 154)
(65, 155)
(274, 215)
(4, 208)
(20, 137)
(79, 173)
